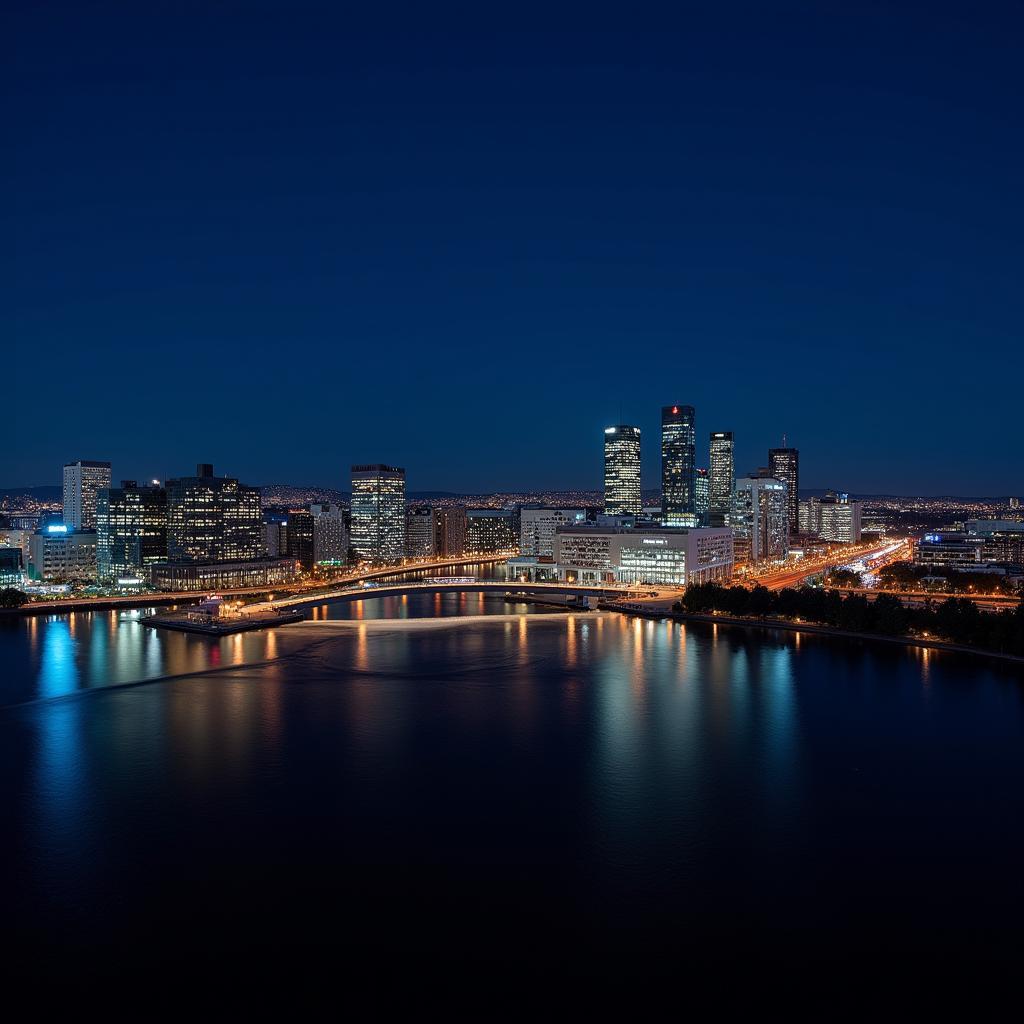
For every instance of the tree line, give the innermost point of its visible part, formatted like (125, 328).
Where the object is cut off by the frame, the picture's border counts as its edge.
(957, 620)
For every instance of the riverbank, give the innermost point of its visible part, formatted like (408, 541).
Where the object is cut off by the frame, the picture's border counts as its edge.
(808, 627)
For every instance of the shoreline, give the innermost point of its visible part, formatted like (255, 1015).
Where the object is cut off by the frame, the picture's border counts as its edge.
(846, 634)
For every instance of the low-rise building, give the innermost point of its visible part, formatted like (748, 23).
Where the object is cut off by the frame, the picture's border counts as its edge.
(189, 576)
(677, 556)
(58, 553)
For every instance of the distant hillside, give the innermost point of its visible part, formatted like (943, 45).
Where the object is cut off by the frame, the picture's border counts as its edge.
(48, 493)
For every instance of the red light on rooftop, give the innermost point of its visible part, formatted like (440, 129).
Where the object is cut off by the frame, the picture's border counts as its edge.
(675, 408)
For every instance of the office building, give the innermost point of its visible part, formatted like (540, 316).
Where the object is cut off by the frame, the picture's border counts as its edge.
(450, 531)
(1002, 540)
(420, 531)
(83, 480)
(213, 519)
(678, 465)
(701, 497)
(330, 534)
(759, 519)
(194, 577)
(784, 465)
(653, 555)
(59, 554)
(301, 529)
(832, 517)
(622, 470)
(275, 532)
(131, 530)
(537, 527)
(1015, 503)
(490, 531)
(378, 513)
(721, 477)
(11, 571)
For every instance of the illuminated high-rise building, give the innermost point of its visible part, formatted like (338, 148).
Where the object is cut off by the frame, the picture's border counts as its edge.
(678, 466)
(83, 480)
(450, 531)
(330, 533)
(701, 496)
(759, 519)
(622, 470)
(490, 531)
(301, 531)
(378, 513)
(420, 531)
(721, 476)
(784, 465)
(212, 519)
(131, 530)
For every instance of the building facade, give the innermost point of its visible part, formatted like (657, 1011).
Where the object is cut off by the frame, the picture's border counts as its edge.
(420, 531)
(213, 519)
(83, 480)
(330, 534)
(537, 528)
(678, 465)
(784, 465)
(721, 477)
(301, 538)
(58, 553)
(702, 497)
(490, 531)
(186, 576)
(131, 530)
(832, 517)
(378, 513)
(675, 556)
(450, 531)
(759, 520)
(622, 492)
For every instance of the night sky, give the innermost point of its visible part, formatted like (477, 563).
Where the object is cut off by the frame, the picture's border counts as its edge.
(285, 238)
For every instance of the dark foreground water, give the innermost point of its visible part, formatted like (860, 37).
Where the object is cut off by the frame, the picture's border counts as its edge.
(432, 784)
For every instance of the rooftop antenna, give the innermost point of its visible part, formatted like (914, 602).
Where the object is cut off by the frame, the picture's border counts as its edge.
(783, 440)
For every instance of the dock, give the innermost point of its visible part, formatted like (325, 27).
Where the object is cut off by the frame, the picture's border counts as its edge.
(186, 622)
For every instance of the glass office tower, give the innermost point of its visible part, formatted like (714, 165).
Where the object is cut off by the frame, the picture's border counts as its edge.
(131, 530)
(678, 449)
(721, 476)
(378, 513)
(784, 465)
(622, 471)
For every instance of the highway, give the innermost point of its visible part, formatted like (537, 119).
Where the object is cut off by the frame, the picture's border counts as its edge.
(795, 575)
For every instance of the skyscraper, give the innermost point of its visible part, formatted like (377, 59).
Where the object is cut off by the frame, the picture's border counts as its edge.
(450, 530)
(301, 530)
(721, 476)
(420, 531)
(678, 444)
(378, 513)
(490, 531)
(212, 519)
(701, 497)
(784, 465)
(759, 520)
(82, 480)
(622, 471)
(330, 533)
(131, 530)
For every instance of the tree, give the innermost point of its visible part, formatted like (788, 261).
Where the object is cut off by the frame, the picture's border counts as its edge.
(10, 597)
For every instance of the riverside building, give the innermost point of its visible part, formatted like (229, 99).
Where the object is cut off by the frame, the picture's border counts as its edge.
(537, 528)
(131, 531)
(378, 513)
(678, 556)
(490, 531)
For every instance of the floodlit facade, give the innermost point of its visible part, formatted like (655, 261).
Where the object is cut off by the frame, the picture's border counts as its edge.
(83, 480)
(131, 530)
(490, 531)
(378, 513)
(678, 466)
(537, 528)
(213, 519)
(622, 493)
(660, 555)
(721, 477)
(759, 520)
(784, 465)
(832, 517)
(262, 572)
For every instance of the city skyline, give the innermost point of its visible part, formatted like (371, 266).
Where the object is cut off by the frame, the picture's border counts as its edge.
(616, 213)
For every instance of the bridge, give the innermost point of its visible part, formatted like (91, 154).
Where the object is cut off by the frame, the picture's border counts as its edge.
(512, 588)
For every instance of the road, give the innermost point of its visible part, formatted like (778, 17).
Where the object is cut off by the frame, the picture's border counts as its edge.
(795, 575)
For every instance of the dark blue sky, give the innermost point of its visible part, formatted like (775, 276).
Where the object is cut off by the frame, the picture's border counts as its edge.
(283, 238)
